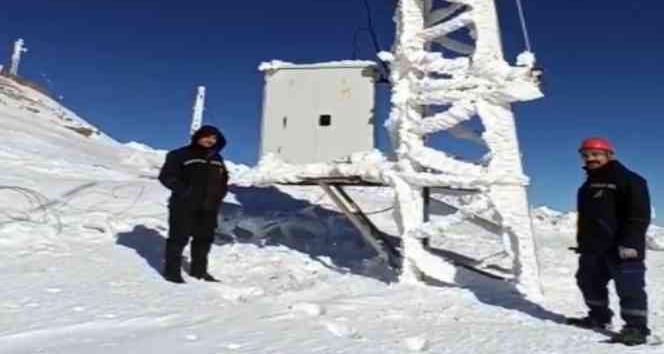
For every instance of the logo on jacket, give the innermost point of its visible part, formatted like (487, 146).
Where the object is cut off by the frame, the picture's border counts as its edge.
(604, 185)
(599, 194)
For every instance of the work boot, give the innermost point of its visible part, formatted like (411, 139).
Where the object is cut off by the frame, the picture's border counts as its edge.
(174, 277)
(205, 276)
(172, 268)
(589, 322)
(631, 336)
(199, 262)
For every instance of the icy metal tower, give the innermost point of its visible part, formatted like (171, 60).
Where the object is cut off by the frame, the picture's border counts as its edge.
(199, 106)
(19, 49)
(447, 68)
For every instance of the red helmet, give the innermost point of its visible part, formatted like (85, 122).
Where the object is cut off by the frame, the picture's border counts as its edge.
(597, 144)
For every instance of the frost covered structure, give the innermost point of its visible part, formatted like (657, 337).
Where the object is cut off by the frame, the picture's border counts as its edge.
(19, 49)
(464, 80)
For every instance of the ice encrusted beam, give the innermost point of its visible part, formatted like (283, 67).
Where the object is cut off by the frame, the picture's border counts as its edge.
(459, 112)
(445, 28)
(511, 200)
(435, 63)
(408, 50)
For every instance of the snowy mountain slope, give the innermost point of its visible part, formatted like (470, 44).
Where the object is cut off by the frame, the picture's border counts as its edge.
(82, 228)
(31, 101)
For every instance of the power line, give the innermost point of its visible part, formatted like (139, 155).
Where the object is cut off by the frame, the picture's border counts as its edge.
(374, 38)
(524, 26)
(356, 36)
(370, 26)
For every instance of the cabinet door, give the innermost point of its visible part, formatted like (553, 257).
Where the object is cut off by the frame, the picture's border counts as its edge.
(344, 111)
(298, 139)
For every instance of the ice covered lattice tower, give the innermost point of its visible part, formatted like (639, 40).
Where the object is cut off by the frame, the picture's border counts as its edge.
(447, 67)
(464, 79)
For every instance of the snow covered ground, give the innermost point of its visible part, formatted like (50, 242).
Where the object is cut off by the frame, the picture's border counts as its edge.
(82, 227)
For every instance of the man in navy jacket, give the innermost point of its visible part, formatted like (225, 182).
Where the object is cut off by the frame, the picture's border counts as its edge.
(614, 215)
(198, 179)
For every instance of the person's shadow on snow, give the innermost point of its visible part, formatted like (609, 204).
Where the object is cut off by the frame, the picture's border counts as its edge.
(505, 295)
(499, 293)
(147, 242)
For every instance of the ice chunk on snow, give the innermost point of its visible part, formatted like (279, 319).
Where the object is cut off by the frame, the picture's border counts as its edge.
(342, 329)
(417, 344)
(310, 309)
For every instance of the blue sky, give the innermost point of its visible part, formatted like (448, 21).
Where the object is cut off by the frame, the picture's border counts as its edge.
(131, 68)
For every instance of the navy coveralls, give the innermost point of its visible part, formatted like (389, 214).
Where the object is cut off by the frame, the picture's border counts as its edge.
(614, 210)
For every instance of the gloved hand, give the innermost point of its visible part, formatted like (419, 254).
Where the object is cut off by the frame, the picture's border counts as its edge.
(627, 253)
